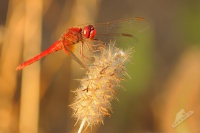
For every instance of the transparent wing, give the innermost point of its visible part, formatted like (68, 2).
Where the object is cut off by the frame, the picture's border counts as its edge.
(121, 31)
(84, 51)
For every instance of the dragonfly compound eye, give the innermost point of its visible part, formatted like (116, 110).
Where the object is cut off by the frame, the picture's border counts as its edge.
(89, 31)
(92, 32)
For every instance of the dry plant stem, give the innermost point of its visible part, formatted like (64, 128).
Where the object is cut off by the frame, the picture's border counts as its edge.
(81, 126)
(100, 86)
(9, 54)
(29, 102)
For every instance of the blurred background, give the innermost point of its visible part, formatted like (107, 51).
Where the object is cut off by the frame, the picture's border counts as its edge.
(165, 74)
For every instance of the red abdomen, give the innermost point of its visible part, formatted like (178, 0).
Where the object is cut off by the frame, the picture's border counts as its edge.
(54, 47)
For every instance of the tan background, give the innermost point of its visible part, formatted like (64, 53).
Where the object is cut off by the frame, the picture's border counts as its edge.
(165, 74)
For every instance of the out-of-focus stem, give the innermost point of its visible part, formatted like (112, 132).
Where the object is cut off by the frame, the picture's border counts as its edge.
(9, 54)
(29, 106)
(81, 126)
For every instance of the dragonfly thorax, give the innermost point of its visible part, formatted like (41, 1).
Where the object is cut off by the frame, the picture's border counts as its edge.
(89, 31)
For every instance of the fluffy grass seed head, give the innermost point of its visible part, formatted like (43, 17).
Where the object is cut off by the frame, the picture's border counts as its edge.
(100, 86)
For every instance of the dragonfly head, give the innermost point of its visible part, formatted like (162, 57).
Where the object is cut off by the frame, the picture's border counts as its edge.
(89, 31)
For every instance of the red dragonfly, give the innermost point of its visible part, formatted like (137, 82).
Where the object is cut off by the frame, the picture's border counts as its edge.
(81, 43)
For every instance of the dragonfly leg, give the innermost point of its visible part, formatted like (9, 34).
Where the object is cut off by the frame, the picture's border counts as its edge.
(95, 47)
(67, 50)
(81, 52)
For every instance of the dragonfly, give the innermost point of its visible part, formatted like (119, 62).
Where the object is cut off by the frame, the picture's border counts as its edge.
(82, 42)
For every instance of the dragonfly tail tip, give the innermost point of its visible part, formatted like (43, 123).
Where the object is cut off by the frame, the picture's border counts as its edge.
(18, 68)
